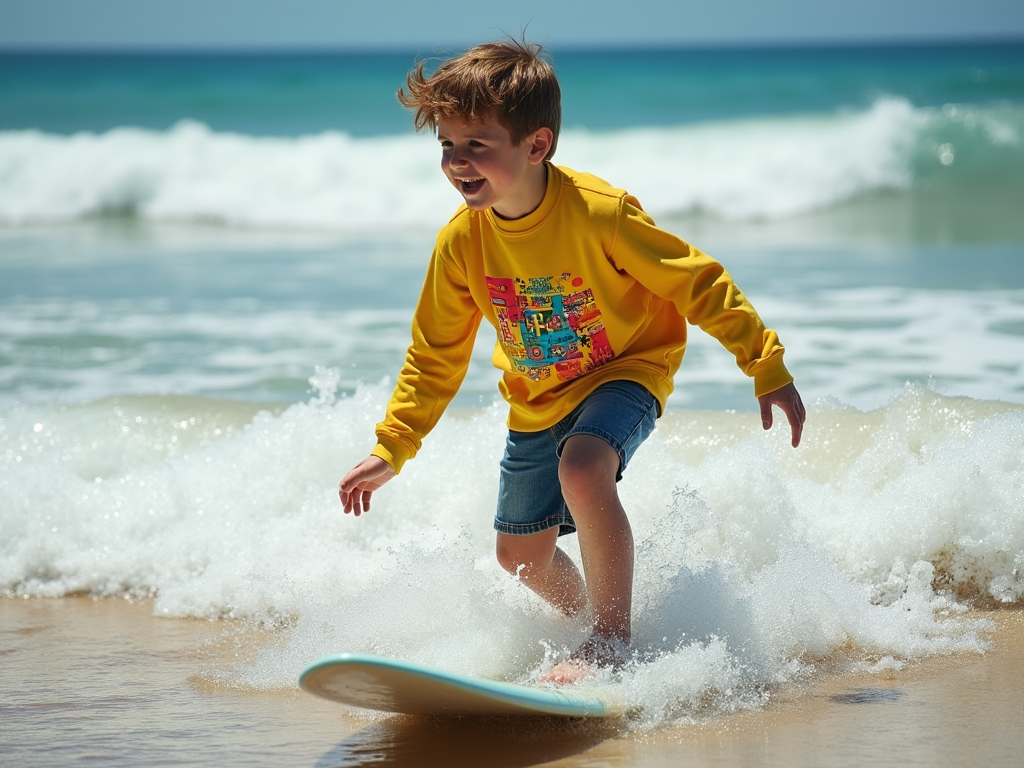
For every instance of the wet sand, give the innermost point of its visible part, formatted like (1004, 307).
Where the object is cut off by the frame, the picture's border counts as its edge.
(105, 682)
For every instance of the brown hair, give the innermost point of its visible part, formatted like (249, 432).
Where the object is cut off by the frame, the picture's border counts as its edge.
(508, 81)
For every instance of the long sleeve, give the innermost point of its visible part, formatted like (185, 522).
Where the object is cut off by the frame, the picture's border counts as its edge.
(702, 292)
(581, 291)
(443, 330)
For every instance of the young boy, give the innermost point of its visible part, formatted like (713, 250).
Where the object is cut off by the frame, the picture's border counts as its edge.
(590, 302)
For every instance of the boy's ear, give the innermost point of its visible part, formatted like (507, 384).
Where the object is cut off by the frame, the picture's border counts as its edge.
(540, 144)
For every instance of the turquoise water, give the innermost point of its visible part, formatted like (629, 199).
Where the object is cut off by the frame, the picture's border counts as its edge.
(290, 95)
(920, 142)
(221, 225)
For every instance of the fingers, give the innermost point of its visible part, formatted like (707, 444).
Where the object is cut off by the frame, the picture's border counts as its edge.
(796, 418)
(788, 399)
(795, 413)
(346, 499)
(350, 496)
(356, 489)
(356, 500)
(351, 487)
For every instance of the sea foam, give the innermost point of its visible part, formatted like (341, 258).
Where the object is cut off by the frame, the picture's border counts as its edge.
(856, 344)
(755, 562)
(763, 168)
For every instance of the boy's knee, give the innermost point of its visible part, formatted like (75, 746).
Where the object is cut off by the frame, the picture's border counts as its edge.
(523, 555)
(508, 557)
(514, 556)
(586, 462)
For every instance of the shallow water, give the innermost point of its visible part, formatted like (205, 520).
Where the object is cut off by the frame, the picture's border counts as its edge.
(97, 311)
(103, 681)
(756, 563)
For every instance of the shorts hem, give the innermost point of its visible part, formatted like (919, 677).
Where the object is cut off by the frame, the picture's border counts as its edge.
(565, 525)
(586, 429)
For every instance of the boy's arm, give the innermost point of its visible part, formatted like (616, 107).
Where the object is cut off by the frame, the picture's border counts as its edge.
(704, 293)
(444, 328)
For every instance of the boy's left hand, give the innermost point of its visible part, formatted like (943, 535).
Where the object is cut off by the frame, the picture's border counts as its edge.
(788, 399)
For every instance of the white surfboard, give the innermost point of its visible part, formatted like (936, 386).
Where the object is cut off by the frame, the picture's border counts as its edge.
(390, 685)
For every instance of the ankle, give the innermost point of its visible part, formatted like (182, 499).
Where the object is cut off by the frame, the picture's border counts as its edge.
(617, 630)
(602, 651)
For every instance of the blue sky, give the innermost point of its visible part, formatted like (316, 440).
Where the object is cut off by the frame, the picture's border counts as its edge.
(430, 23)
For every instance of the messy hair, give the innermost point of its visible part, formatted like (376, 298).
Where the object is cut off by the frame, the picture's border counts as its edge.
(508, 81)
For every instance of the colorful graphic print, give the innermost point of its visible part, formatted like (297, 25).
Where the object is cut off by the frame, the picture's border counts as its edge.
(545, 328)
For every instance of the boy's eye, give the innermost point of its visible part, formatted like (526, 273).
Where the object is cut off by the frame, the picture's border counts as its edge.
(475, 144)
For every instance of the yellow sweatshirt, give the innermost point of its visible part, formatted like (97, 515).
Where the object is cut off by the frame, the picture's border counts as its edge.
(583, 290)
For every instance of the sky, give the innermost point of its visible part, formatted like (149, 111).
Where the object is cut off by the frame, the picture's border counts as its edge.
(404, 24)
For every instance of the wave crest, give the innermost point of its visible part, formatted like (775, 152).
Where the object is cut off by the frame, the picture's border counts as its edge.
(766, 168)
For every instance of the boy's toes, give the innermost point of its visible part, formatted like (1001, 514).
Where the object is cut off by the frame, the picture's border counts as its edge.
(567, 672)
(597, 652)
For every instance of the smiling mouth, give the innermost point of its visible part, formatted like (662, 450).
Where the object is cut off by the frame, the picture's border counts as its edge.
(469, 186)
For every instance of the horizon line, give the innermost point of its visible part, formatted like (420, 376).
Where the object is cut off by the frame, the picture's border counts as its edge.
(622, 46)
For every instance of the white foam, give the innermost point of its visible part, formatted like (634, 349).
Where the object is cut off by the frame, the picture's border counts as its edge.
(764, 168)
(754, 561)
(858, 345)
(190, 173)
(767, 168)
(861, 345)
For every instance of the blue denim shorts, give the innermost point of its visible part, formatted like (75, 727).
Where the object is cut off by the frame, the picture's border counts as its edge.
(622, 413)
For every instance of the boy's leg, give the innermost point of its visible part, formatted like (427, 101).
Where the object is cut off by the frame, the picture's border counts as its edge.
(529, 517)
(544, 568)
(611, 424)
(587, 473)
(563, 479)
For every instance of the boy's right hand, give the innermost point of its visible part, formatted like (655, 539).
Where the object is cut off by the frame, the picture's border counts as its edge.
(359, 484)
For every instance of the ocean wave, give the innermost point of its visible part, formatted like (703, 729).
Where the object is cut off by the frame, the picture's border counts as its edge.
(767, 168)
(754, 561)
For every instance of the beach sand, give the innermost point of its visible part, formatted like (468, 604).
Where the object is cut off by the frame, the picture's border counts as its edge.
(104, 681)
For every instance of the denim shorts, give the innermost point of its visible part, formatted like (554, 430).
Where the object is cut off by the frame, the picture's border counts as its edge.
(622, 413)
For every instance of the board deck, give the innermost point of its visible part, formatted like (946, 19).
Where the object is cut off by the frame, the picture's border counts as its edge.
(390, 685)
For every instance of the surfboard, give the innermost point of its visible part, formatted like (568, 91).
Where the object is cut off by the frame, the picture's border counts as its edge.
(391, 685)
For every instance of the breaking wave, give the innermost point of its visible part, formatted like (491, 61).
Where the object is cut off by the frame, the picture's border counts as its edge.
(750, 169)
(755, 562)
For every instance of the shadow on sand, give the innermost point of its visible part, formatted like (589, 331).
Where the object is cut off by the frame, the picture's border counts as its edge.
(498, 742)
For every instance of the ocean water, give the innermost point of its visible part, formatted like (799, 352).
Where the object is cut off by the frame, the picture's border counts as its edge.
(207, 270)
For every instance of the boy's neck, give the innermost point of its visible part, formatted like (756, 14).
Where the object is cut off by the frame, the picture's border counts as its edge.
(536, 187)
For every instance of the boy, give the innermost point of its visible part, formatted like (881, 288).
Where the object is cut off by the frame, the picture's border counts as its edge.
(589, 300)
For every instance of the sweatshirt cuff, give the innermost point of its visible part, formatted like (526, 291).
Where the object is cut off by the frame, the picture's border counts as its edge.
(392, 453)
(772, 378)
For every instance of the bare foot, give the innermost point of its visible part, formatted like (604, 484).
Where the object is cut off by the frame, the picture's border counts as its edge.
(595, 653)
(567, 672)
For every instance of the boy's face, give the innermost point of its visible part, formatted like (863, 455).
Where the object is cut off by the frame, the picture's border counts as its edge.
(490, 171)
